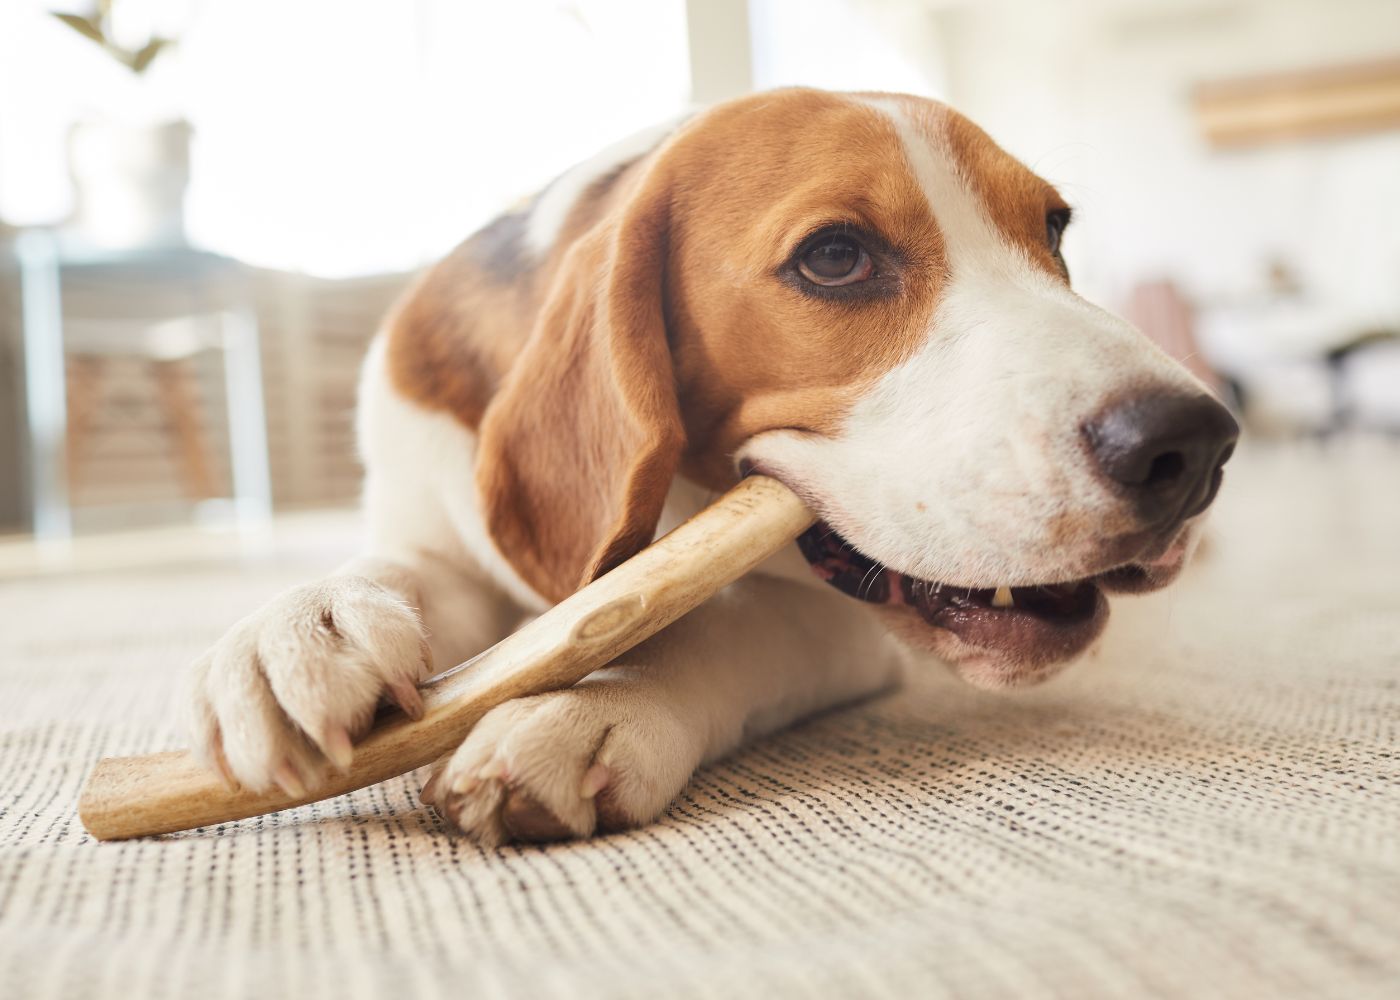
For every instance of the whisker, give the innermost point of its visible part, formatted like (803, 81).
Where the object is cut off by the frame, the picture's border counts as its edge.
(867, 578)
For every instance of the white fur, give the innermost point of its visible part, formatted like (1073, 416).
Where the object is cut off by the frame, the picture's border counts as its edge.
(759, 655)
(420, 481)
(310, 666)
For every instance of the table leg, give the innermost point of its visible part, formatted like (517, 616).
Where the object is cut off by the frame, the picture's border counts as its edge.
(247, 423)
(45, 392)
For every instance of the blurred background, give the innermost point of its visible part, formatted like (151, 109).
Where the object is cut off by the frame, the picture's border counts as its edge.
(206, 206)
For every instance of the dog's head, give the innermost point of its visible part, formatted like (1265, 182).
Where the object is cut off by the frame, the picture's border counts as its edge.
(862, 296)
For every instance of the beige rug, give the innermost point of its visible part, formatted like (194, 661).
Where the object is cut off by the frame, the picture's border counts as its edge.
(1210, 808)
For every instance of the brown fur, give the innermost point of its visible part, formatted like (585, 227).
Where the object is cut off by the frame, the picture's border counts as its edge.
(578, 448)
(659, 333)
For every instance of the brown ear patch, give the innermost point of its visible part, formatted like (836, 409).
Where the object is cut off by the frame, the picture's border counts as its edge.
(459, 329)
(578, 448)
(454, 334)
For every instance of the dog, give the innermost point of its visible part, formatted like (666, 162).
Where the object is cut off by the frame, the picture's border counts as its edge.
(860, 295)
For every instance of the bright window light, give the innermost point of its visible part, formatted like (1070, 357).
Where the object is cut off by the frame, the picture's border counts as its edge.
(339, 137)
(846, 45)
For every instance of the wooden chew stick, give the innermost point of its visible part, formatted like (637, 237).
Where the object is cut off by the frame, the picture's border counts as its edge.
(164, 792)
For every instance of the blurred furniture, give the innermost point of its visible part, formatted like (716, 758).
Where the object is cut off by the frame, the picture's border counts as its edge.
(167, 352)
(82, 308)
(14, 493)
(314, 333)
(1348, 365)
(1307, 104)
(1303, 368)
(1160, 310)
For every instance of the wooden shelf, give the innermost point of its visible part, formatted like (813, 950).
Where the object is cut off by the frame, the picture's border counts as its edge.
(1300, 105)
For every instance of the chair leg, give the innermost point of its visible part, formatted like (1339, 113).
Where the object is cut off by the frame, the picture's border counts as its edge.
(182, 417)
(85, 375)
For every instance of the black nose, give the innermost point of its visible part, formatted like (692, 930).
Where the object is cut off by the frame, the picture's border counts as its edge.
(1166, 451)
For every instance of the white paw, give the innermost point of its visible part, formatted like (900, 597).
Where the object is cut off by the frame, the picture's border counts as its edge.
(605, 755)
(288, 689)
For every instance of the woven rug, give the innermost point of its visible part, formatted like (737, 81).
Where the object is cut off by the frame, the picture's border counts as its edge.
(1210, 807)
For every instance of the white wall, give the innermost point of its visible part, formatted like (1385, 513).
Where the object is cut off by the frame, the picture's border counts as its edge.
(890, 45)
(1095, 96)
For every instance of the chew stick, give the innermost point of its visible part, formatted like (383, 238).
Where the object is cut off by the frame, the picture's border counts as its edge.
(164, 792)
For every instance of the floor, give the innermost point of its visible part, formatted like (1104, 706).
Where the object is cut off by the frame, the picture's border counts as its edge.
(1208, 807)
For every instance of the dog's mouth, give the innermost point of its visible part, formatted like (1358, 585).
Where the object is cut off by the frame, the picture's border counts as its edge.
(1025, 626)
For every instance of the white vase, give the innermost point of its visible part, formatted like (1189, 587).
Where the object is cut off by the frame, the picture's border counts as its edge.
(130, 182)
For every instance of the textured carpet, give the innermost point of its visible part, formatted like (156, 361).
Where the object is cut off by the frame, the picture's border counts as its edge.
(1210, 807)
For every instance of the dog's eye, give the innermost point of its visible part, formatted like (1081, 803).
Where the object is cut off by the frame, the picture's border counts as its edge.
(835, 259)
(1055, 223)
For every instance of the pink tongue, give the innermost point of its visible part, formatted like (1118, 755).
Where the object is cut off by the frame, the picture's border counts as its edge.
(898, 597)
(846, 568)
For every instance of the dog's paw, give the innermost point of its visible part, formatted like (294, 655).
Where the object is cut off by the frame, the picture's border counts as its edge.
(604, 756)
(289, 688)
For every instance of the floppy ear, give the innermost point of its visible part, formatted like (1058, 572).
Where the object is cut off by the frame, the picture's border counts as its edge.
(578, 448)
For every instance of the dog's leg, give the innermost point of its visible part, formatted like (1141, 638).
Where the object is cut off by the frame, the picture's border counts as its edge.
(614, 751)
(289, 688)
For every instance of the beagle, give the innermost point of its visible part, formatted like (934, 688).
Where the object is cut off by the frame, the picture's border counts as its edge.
(858, 294)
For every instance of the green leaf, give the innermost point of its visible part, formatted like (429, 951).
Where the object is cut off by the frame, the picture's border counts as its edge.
(147, 53)
(88, 27)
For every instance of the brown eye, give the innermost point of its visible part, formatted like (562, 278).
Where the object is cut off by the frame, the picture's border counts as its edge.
(835, 260)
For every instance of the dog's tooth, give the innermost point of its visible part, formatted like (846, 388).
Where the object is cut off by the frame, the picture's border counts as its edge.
(1003, 599)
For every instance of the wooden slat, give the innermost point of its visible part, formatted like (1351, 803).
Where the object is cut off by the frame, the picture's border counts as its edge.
(1301, 105)
(314, 333)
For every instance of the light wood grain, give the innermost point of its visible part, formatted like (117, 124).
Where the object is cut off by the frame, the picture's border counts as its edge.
(165, 792)
(1307, 104)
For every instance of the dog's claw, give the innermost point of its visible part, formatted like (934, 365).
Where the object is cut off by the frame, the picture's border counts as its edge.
(337, 747)
(286, 778)
(428, 793)
(408, 698)
(595, 779)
